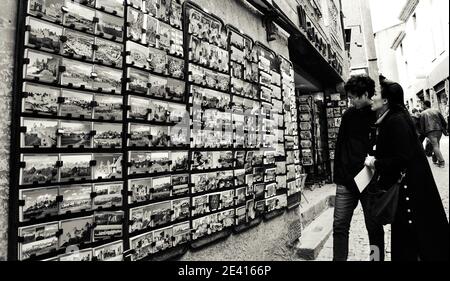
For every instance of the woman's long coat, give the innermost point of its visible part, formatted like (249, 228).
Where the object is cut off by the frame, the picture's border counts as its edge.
(421, 228)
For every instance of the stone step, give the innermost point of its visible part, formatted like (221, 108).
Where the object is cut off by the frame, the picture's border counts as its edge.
(318, 201)
(315, 235)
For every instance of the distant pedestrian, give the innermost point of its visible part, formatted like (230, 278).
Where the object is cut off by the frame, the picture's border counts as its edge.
(433, 125)
(416, 118)
(354, 143)
(420, 230)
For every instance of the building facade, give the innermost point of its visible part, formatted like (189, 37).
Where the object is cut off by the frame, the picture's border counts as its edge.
(422, 53)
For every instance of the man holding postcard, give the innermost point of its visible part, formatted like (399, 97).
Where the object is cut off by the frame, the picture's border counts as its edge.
(354, 143)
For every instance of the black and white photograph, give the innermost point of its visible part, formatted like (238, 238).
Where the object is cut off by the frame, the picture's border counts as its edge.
(77, 74)
(214, 202)
(78, 16)
(135, 3)
(140, 135)
(108, 52)
(162, 238)
(200, 227)
(75, 134)
(39, 169)
(181, 209)
(76, 104)
(138, 55)
(160, 162)
(110, 27)
(180, 185)
(240, 196)
(107, 195)
(77, 256)
(161, 188)
(76, 198)
(158, 111)
(76, 167)
(140, 162)
(107, 135)
(109, 252)
(163, 10)
(139, 108)
(78, 44)
(152, 30)
(38, 203)
(40, 99)
(111, 6)
(175, 67)
(43, 35)
(108, 107)
(141, 245)
(157, 60)
(135, 24)
(227, 199)
(48, 9)
(151, 7)
(203, 182)
(107, 79)
(108, 166)
(38, 240)
(157, 86)
(159, 136)
(180, 161)
(141, 190)
(176, 39)
(200, 205)
(179, 135)
(39, 133)
(140, 218)
(43, 67)
(137, 81)
(181, 233)
(163, 42)
(107, 225)
(202, 160)
(161, 213)
(76, 231)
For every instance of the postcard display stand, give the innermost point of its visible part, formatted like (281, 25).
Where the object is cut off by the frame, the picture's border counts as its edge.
(294, 179)
(143, 127)
(336, 106)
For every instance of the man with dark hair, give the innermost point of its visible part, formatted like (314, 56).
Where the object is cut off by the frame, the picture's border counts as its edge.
(433, 125)
(416, 118)
(355, 141)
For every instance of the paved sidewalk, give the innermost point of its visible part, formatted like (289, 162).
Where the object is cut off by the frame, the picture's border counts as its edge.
(359, 242)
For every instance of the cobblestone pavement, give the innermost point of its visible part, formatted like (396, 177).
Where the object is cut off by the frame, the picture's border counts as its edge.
(359, 243)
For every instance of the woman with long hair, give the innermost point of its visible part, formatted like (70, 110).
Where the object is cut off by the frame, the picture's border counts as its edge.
(420, 231)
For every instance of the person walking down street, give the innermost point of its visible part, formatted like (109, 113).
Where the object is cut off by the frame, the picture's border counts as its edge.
(354, 143)
(420, 230)
(433, 125)
(416, 118)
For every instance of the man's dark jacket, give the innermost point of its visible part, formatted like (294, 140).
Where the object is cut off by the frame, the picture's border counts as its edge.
(355, 141)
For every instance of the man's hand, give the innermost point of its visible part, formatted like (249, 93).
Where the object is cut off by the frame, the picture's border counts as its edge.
(370, 162)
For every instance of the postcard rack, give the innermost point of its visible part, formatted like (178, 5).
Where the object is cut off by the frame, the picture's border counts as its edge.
(141, 128)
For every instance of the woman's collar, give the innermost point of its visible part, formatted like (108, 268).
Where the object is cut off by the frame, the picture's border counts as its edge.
(382, 117)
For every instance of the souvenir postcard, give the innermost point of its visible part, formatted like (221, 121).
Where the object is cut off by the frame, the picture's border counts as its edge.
(176, 14)
(181, 208)
(140, 162)
(141, 245)
(140, 135)
(42, 66)
(109, 252)
(201, 205)
(151, 7)
(77, 74)
(161, 188)
(79, 16)
(38, 240)
(160, 162)
(43, 35)
(139, 108)
(78, 45)
(162, 239)
(76, 167)
(138, 55)
(161, 213)
(175, 67)
(108, 166)
(157, 60)
(76, 198)
(40, 99)
(152, 30)
(75, 134)
(110, 27)
(76, 104)
(141, 190)
(164, 32)
(138, 81)
(49, 9)
(39, 169)
(107, 195)
(77, 256)
(39, 133)
(157, 86)
(108, 225)
(135, 24)
(181, 233)
(76, 231)
(164, 10)
(38, 203)
(111, 6)
(200, 227)
(108, 107)
(160, 136)
(179, 161)
(108, 53)
(158, 111)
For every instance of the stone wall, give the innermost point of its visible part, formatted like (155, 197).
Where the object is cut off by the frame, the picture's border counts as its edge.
(8, 18)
